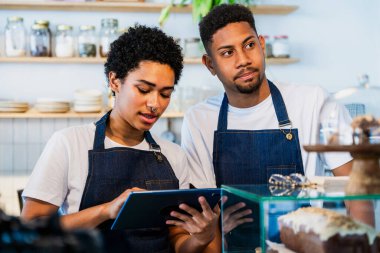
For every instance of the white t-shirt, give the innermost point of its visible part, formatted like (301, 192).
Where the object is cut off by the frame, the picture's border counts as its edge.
(60, 174)
(303, 104)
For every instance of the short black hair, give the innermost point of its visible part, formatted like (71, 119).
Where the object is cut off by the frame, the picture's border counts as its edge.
(222, 15)
(142, 43)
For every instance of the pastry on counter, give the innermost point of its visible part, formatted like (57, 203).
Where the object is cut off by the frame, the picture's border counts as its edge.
(318, 230)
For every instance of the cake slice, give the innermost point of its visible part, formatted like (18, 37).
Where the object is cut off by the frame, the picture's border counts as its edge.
(318, 230)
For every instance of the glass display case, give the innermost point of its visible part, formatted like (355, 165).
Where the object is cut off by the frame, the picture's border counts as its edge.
(361, 99)
(320, 222)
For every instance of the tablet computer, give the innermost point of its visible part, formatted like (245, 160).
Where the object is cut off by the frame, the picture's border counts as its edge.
(150, 209)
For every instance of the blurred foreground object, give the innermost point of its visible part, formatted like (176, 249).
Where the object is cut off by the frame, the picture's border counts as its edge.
(45, 235)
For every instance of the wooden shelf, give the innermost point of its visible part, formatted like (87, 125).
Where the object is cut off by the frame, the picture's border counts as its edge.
(125, 7)
(281, 61)
(34, 114)
(78, 60)
(97, 60)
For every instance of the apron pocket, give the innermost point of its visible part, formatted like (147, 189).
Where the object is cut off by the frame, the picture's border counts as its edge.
(284, 170)
(159, 184)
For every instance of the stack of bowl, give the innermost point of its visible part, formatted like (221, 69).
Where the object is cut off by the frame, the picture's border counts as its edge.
(52, 105)
(13, 106)
(88, 101)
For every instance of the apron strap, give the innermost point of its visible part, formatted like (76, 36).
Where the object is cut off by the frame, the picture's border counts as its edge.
(279, 106)
(153, 146)
(278, 103)
(100, 135)
(223, 112)
(100, 132)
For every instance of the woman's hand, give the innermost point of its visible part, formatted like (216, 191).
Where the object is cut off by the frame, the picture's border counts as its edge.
(202, 226)
(113, 207)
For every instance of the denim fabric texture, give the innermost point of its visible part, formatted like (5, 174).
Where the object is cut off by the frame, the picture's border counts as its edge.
(114, 170)
(251, 157)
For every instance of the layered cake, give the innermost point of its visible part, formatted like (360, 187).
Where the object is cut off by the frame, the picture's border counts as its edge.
(318, 230)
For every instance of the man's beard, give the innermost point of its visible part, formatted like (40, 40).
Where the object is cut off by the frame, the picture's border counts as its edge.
(250, 88)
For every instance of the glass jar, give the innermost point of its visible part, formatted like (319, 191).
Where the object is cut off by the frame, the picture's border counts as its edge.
(39, 41)
(192, 48)
(15, 37)
(108, 33)
(268, 47)
(64, 41)
(281, 47)
(46, 24)
(87, 41)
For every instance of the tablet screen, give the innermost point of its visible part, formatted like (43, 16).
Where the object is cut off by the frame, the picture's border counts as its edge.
(150, 209)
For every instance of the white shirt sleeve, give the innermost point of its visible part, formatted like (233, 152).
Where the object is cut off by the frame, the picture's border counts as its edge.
(184, 176)
(198, 155)
(342, 124)
(48, 181)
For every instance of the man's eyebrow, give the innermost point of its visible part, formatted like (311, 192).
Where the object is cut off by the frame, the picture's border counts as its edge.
(248, 38)
(230, 46)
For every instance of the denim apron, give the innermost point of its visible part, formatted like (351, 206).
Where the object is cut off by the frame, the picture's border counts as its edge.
(252, 156)
(111, 172)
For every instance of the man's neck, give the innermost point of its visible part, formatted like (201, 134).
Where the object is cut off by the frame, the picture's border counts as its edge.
(241, 100)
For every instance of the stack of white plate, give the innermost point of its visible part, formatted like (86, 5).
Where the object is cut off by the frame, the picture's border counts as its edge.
(13, 106)
(88, 101)
(52, 105)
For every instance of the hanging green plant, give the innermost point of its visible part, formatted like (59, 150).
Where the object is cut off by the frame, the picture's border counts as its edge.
(200, 7)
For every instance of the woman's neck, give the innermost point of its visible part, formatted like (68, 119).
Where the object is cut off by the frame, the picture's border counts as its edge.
(122, 132)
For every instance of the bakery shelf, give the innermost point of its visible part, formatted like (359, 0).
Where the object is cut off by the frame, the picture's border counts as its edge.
(34, 114)
(98, 60)
(126, 7)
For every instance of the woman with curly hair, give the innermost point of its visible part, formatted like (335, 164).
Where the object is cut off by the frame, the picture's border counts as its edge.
(88, 171)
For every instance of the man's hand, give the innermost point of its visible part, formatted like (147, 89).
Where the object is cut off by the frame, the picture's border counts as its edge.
(202, 226)
(232, 217)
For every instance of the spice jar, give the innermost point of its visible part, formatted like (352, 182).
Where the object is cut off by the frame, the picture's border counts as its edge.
(64, 41)
(39, 41)
(192, 47)
(268, 47)
(15, 37)
(280, 47)
(87, 41)
(108, 33)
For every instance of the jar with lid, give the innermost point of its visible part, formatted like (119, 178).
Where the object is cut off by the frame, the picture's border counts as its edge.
(281, 47)
(15, 37)
(108, 33)
(39, 41)
(268, 47)
(193, 47)
(46, 24)
(87, 41)
(64, 41)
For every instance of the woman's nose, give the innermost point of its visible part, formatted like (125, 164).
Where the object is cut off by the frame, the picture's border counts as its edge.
(153, 101)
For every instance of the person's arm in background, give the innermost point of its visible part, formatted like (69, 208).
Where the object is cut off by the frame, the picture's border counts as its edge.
(359, 210)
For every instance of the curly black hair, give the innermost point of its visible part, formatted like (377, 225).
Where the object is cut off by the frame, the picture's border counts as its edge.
(142, 43)
(220, 16)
